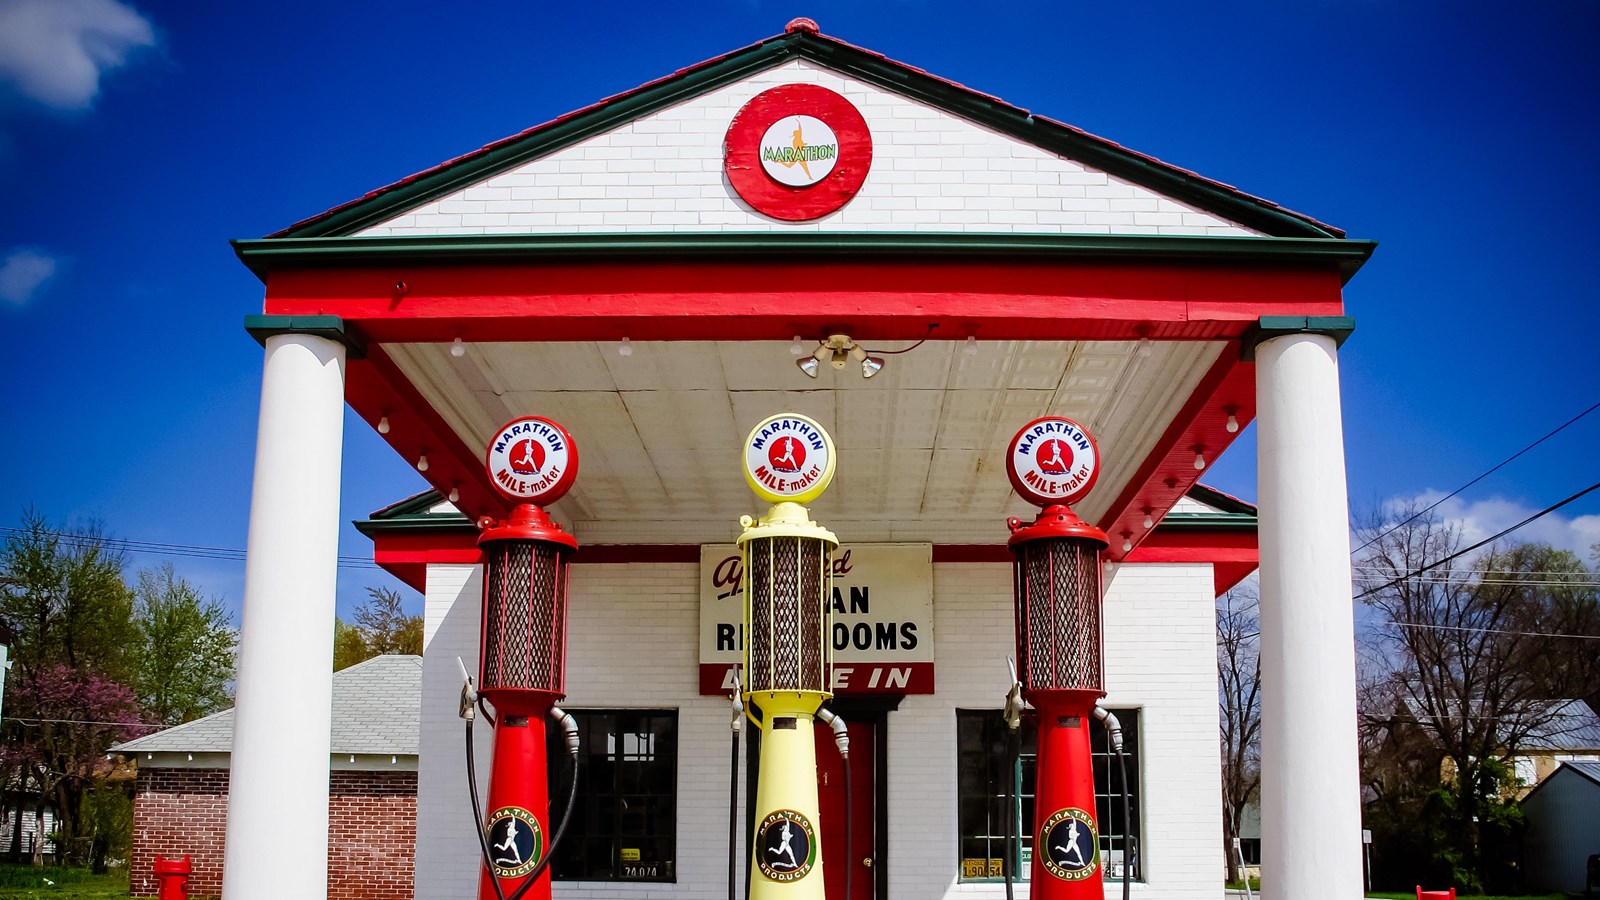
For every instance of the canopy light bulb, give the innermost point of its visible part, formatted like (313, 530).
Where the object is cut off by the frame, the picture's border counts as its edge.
(1233, 424)
(458, 349)
(1149, 520)
(422, 463)
(455, 494)
(971, 347)
(625, 348)
(1127, 546)
(1199, 460)
(383, 425)
(798, 347)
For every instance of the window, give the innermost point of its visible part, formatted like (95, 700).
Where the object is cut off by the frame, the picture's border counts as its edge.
(1526, 769)
(625, 819)
(984, 769)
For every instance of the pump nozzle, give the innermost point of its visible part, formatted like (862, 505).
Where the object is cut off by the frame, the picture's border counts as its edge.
(1013, 713)
(1113, 727)
(738, 702)
(841, 734)
(569, 728)
(469, 696)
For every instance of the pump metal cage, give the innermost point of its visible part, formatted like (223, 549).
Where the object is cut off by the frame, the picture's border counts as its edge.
(525, 616)
(788, 583)
(1057, 583)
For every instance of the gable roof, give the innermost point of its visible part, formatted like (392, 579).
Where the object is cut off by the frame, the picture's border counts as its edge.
(801, 40)
(376, 709)
(1587, 770)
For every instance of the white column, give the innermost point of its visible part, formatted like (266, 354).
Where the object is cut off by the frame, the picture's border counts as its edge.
(1310, 779)
(277, 845)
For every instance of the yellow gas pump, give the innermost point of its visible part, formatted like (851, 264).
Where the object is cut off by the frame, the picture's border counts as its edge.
(788, 661)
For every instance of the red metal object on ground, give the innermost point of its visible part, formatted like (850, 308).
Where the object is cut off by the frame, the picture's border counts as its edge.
(173, 875)
(1059, 655)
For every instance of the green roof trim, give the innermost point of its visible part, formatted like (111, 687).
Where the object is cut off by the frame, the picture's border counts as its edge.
(330, 327)
(1055, 137)
(414, 514)
(1268, 327)
(263, 254)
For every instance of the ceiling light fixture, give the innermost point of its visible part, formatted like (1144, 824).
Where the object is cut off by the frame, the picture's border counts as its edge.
(625, 348)
(1149, 518)
(1127, 541)
(1199, 457)
(383, 424)
(1233, 420)
(839, 350)
(455, 494)
(422, 463)
(458, 349)
(971, 347)
(798, 346)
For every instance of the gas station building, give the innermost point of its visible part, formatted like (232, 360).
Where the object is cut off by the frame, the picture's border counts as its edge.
(806, 226)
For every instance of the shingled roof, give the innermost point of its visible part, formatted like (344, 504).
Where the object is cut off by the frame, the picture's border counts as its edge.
(376, 710)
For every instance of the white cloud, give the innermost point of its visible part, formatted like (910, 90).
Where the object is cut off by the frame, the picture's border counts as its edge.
(1480, 519)
(22, 273)
(55, 51)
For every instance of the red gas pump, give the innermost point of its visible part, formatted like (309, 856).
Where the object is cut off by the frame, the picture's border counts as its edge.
(522, 655)
(1052, 462)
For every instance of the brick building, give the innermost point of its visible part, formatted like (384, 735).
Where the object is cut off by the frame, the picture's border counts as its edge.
(181, 800)
(658, 272)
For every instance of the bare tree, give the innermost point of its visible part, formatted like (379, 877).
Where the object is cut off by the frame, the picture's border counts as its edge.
(1469, 668)
(1239, 702)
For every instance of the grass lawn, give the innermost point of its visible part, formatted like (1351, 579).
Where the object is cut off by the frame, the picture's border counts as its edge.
(18, 882)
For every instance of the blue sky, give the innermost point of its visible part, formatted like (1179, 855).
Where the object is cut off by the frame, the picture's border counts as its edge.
(137, 138)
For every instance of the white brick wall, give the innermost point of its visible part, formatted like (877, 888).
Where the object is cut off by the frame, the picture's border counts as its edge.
(633, 643)
(930, 172)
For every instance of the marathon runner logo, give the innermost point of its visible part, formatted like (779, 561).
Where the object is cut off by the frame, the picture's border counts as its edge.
(1053, 460)
(515, 841)
(799, 151)
(532, 459)
(788, 457)
(786, 846)
(1068, 846)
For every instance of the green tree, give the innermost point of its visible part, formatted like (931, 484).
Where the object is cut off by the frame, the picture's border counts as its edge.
(381, 627)
(186, 649)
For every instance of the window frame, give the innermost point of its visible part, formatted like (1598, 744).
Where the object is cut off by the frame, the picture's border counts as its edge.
(581, 835)
(1104, 762)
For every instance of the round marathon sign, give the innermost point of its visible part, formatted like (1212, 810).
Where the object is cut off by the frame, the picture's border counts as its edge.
(1053, 460)
(532, 460)
(786, 846)
(1068, 846)
(515, 841)
(797, 152)
(788, 457)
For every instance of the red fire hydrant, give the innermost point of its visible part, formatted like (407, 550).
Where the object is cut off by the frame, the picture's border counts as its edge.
(174, 877)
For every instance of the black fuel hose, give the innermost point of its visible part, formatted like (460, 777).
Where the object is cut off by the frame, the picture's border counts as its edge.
(733, 815)
(1127, 824)
(483, 835)
(1008, 861)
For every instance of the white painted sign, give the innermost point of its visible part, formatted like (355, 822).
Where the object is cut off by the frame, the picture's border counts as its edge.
(799, 150)
(882, 632)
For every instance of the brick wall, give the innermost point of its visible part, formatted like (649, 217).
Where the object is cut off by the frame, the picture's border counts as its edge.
(371, 831)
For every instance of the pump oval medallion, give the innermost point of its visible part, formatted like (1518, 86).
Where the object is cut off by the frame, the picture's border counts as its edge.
(797, 152)
(786, 846)
(515, 841)
(1053, 460)
(788, 457)
(532, 460)
(1068, 846)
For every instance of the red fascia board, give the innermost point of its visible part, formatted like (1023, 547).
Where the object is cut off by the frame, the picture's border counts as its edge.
(1233, 555)
(894, 299)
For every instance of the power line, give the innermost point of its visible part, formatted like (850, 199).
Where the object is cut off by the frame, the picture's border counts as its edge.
(1548, 634)
(1489, 540)
(191, 551)
(1474, 481)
